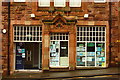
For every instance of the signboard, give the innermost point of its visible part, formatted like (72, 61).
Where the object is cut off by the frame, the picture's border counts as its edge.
(19, 58)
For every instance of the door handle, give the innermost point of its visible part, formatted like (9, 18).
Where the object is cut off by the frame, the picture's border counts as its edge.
(27, 56)
(30, 56)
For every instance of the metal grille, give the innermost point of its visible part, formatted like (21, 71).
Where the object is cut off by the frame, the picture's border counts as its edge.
(96, 33)
(59, 36)
(27, 33)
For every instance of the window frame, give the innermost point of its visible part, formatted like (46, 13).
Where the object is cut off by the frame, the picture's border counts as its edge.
(97, 1)
(19, 0)
(82, 29)
(39, 1)
(74, 5)
(24, 33)
(60, 5)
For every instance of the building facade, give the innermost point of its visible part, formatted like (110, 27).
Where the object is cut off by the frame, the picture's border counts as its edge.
(57, 36)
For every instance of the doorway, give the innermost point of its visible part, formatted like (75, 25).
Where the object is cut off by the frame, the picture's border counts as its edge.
(59, 50)
(28, 55)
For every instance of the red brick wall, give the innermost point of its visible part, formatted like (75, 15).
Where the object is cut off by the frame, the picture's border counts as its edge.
(4, 38)
(114, 35)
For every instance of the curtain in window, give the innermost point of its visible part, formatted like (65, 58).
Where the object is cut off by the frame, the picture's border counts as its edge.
(44, 2)
(59, 3)
(75, 3)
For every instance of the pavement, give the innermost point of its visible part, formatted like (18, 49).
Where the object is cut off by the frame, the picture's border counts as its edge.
(113, 73)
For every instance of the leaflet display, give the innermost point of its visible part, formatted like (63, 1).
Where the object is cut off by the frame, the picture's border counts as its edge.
(100, 54)
(54, 54)
(90, 54)
(81, 54)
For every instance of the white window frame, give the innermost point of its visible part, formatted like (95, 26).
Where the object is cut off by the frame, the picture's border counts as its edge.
(19, 0)
(26, 35)
(41, 5)
(70, 1)
(99, 1)
(59, 5)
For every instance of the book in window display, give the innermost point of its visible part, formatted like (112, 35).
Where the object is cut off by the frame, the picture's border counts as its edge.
(91, 54)
(89, 58)
(102, 54)
(80, 61)
(80, 46)
(80, 53)
(100, 60)
(83, 59)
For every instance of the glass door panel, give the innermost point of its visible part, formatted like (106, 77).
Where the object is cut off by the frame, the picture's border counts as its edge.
(90, 54)
(59, 53)
(27, 55)
(64, 53)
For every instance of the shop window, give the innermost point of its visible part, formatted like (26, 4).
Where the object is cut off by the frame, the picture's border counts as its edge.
(75, 3)
(19, 0)
(59, 3)
(99, 1)
(44, 3)
(91, 46)
(27, 33)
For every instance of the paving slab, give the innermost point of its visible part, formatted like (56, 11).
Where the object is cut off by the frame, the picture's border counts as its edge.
(66, 74)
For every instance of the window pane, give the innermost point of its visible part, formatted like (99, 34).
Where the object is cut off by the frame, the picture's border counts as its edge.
(75, 3)
(59, 3)
(99, 1)
(19, 0)
(44, 2)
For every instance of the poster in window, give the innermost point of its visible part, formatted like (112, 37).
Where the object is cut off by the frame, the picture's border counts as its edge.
(83, 59)
(102, 54)
(89, 58)
(78, 49)
(98, 54)
(99, 49)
